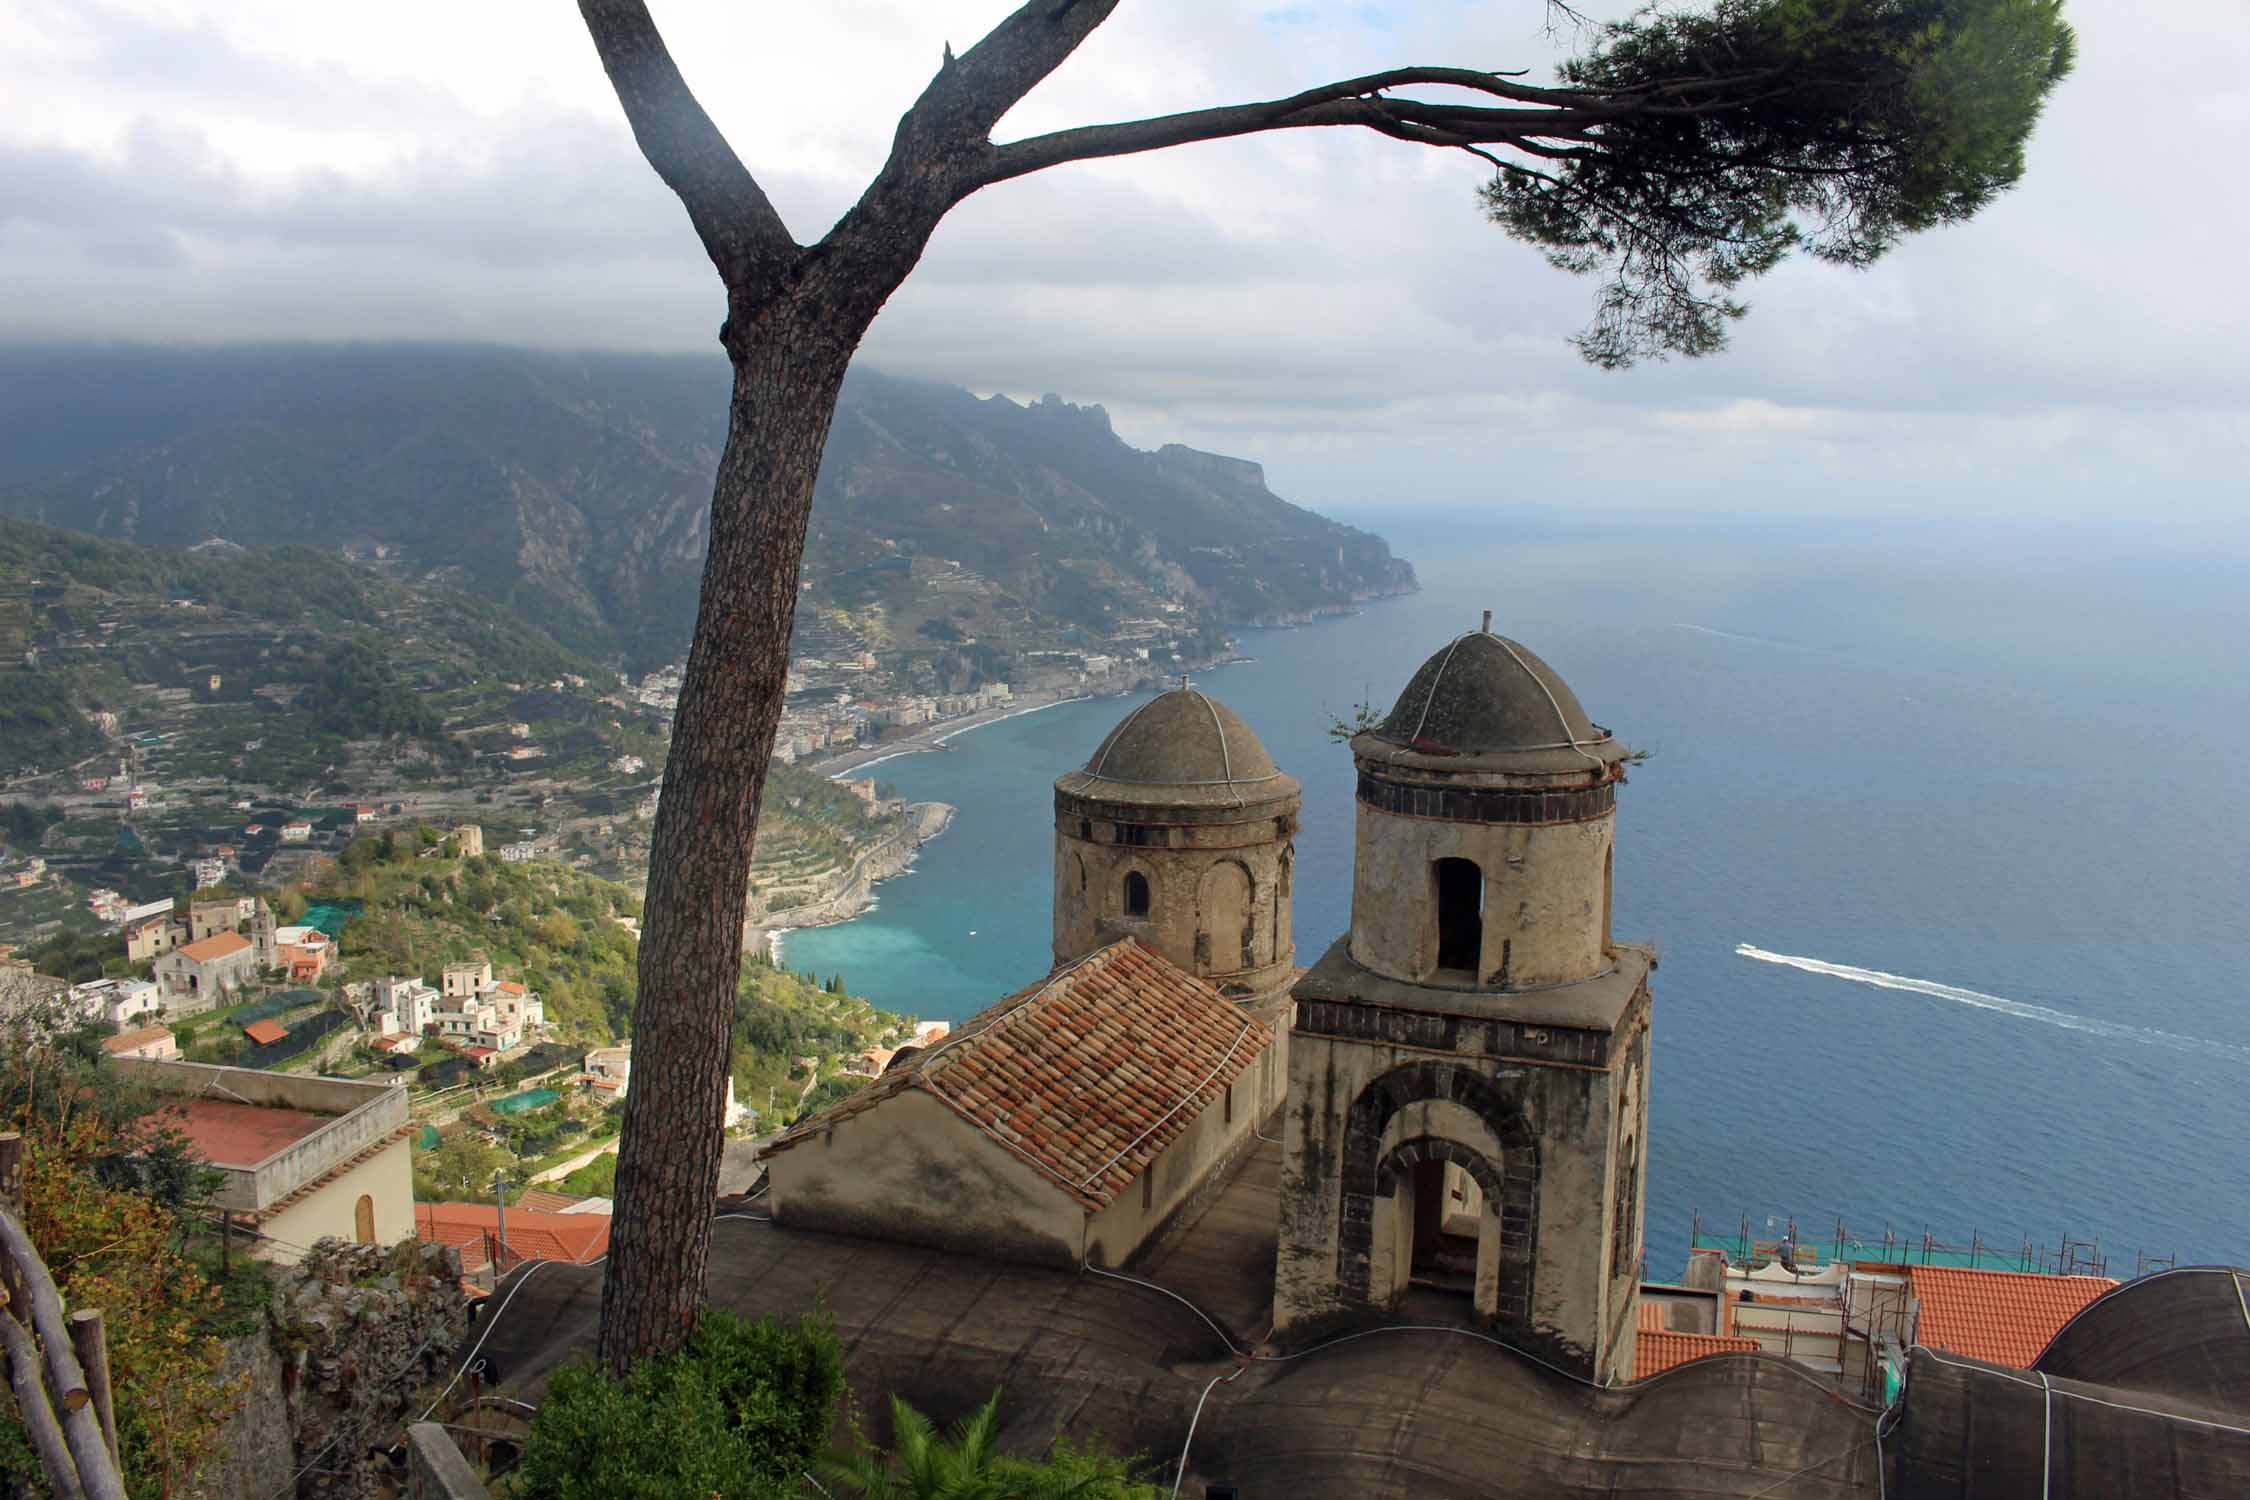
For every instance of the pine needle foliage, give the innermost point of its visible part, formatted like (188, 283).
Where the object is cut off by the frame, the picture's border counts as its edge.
(1831, 126)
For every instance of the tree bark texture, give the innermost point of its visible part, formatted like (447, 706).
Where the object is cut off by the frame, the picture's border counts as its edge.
(785, 386)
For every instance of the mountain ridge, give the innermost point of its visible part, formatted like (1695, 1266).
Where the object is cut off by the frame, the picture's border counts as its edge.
(575, 488)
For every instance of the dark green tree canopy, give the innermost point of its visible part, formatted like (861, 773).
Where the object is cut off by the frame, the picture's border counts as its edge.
(1762, 126)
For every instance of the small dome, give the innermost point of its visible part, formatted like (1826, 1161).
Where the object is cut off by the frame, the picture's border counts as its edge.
(1182, 738)
(1484, 694)
(1184, 748)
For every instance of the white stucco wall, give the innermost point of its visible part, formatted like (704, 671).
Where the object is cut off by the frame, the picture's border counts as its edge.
(332, 1208)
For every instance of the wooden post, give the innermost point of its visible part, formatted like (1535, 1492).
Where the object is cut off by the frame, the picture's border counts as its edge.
(89, 1338)
(11, 1201)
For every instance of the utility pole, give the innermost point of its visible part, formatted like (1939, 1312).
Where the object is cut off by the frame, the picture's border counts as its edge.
(500, 1211)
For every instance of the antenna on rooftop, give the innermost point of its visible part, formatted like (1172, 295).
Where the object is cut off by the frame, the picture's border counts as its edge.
(1486, 627)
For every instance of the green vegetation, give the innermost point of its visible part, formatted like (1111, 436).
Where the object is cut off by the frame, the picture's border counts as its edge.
(740, 1412)
(1854, 126)
(743, 1411)
(357, 694)
(596, 1179)
(553, 927)
(460, 1169)
(364, 654)
(968, 1462)
(109, 1193)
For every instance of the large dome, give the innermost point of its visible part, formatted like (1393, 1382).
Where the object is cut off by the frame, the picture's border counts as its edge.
(1179, 746)
(1484, 694)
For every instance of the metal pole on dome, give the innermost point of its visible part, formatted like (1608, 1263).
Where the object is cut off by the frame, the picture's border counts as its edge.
(1486, 627)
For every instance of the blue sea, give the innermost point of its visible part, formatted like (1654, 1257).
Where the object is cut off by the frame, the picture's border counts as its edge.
(1945, 846)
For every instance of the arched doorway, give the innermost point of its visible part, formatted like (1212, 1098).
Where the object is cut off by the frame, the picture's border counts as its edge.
(1390, 1218)
(363, 1220)
(1444, 1224)
(1136, 894)
(1460, 914)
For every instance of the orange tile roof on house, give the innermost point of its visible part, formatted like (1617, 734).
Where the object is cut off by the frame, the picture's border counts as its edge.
(1087, 1075)
(510, 987)
(265, 1033)
(129, 1041)
(1654, 1353)
(2007, 1317)
(578, 1238)
(1649, 1318)
(217, 945)
(540, 1200)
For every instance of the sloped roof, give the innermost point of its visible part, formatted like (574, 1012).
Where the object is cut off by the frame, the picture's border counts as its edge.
(217, 945)
(265, 1033)
(540, 1200)
(1658, 1350)
(1087, 1075)
(578, 1238)
(2006, 1317)
(129, 1040)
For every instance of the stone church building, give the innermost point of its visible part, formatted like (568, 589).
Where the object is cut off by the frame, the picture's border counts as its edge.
(1163, 1199)
(1460, 1081)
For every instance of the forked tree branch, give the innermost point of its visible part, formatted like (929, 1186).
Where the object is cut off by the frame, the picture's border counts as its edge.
(738, 225)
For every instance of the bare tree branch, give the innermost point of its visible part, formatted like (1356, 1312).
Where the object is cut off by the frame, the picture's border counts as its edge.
(740, 230)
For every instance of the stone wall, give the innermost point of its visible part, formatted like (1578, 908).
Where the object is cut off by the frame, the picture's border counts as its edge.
(368, 1333)
(254, 1454)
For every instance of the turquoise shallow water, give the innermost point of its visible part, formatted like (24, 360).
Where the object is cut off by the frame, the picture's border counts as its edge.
(1972, 801)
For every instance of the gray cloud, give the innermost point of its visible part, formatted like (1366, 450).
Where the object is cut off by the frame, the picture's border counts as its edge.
(1331, 305)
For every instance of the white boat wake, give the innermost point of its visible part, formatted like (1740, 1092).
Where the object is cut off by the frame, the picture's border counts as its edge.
(2020, 1009)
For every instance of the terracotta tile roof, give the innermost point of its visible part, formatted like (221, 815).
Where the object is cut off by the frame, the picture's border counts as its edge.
(217, 945)
(126, 1041)
(1650, 1316)
(510, 987)
(539, 1200)
(1087, 1075)
(265, 1033)
(1654, 1353)
(2006, 1317)
(578, 1238)
(227, 1134)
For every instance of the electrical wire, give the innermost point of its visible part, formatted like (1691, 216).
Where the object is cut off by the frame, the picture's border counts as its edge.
(1216, 1381)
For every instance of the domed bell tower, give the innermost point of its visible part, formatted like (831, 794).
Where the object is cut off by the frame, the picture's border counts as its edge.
(1468, 1065)
(1179, 831)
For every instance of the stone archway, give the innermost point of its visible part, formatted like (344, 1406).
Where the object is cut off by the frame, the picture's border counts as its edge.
(1511, 1186)
(1441, 1232)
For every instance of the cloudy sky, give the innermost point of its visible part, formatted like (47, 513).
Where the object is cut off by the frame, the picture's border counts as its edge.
(1329, 304)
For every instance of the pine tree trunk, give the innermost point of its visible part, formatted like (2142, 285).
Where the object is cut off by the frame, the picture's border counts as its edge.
(786, 379)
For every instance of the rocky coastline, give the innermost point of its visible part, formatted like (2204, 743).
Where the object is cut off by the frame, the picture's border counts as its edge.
(851, 891)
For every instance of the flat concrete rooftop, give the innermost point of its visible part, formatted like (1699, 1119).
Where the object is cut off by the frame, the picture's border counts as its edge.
(227, 1134)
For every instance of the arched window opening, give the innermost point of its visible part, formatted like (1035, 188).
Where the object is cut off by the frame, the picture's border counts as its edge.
(1460, 913)
(1074, 859)
(1136, 894)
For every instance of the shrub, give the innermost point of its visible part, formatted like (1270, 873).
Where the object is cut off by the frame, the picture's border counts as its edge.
(739, 1412)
